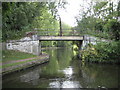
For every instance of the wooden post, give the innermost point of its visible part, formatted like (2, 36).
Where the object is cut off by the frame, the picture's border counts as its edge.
(60, 26)
(80, 46)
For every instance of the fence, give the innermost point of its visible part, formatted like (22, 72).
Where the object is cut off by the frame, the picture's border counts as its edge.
(55, 32)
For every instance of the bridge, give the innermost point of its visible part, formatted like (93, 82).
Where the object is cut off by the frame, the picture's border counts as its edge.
(60, 38)
(52, 38)
(63, 35)
(51, 35)
(43, 35)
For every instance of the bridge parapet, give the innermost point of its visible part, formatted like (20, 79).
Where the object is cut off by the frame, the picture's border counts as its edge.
(60, 38)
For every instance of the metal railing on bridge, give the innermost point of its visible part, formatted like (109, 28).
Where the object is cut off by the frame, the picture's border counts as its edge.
(55, 32)
(44, 33)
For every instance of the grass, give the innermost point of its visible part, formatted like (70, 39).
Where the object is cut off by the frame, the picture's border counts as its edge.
(18, 63)
(10, 55)
(21, 58)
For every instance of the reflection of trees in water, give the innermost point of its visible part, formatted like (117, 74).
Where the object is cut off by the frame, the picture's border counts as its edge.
(64, 57)
(94, 75)
(78, 75)
(41, 76)
(88, 75)
(59, 60)
(100, 75)
(32, 77)
(27, 78)
(51, 70)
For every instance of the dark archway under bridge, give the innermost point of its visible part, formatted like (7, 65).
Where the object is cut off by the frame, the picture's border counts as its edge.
(59, 38)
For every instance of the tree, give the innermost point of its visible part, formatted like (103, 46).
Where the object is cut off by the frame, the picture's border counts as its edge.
(20, 17)
(103, 19)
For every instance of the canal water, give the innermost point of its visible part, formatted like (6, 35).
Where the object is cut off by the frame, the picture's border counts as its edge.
(64, 71)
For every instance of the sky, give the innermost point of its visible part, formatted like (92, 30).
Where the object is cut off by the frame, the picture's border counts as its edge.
(72, 9)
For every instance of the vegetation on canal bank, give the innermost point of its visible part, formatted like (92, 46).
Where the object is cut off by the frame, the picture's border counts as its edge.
(15, 60)
(102, 52)
(10, 55)
(101, 20)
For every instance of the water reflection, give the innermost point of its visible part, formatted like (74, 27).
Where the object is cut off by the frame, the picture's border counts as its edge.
(100, 75)
(32, 77)
(65, 84)
(64, 71)
(68, 72)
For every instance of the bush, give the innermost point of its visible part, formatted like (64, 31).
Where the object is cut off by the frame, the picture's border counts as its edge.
(102, 52)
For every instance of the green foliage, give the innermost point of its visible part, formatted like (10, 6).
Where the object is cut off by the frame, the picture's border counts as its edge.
(62, 43)
(100, 5)
(21, 17)
(16, 17)
(102, 53)
(105, 24)
(113, 26)
(86, 24)
(99, 26)
(104, 20)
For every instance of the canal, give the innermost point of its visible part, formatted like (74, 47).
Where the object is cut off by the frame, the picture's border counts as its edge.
(64, 71)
